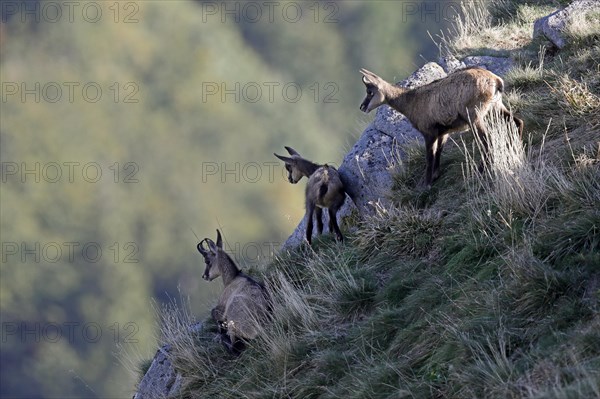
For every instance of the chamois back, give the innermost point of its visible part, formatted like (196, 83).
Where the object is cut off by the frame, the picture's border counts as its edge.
(325, 187)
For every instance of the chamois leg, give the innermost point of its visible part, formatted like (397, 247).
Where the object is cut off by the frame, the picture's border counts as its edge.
(319, 216)
(233, 345)
(441, 140)
(485, 150)
(511, 118)
(238, 346)
(310, 209)
(333, 224)
(226, 341)
(218, 317)
(429, 157)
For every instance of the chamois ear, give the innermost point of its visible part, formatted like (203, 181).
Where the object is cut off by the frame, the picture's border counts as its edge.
(219, 239)
(370, 77)
(291, 151)
(284, 159)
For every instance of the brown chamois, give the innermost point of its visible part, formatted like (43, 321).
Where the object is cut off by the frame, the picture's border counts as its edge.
(243, 302)
(324, 190)
(442, 107)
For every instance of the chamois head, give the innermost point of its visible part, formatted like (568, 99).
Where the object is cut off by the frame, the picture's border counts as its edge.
(377, 88)
(292, 165)
(213, 253)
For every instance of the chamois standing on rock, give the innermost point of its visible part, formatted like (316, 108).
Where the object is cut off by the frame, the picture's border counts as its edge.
(324, 190)
(442, 107)
(244, 301)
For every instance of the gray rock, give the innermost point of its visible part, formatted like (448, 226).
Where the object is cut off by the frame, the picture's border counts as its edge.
(553, 26)
(424, 75)
(450, 64)
(498, 65)
(161, 379)
(367, 170)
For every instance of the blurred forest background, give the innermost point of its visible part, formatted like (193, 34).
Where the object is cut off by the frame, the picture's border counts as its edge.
(116, 136)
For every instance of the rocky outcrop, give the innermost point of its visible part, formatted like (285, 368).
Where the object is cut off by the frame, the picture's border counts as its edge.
(499, 65)
(161, 379)
(554, 26)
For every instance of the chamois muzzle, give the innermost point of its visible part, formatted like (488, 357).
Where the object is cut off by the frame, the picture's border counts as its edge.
(364, 107)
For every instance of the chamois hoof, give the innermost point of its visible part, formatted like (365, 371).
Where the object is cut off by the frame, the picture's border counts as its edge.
(238, 347)
(482, 167)
(424, 186)
(235, 348)
(224, 339)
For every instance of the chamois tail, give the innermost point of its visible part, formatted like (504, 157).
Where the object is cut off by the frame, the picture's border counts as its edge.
(322, 190)
(500, 85)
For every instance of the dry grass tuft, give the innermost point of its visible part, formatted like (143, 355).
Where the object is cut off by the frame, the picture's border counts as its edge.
(515, 182)
(575, 98)
(400, 230)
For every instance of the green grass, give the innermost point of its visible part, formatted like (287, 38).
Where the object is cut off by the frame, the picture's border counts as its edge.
(487, 285)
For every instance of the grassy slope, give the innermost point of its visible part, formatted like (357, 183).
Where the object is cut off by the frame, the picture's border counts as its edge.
(484, 286)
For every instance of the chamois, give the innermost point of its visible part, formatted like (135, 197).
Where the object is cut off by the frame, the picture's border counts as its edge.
(243, 302)
(324, 190)
(442, 107)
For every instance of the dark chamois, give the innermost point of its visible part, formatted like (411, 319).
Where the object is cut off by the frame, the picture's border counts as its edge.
(324, 190)
(244, 302)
